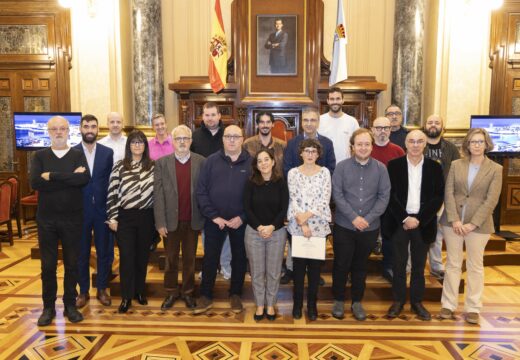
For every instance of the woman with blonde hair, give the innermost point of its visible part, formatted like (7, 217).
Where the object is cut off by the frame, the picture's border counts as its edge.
(472, 191)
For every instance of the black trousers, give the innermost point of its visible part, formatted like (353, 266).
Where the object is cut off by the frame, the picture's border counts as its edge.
(351, 252)
(313, 269)
(418, 252)
(213, 242)
(135, 232)
(50, 232)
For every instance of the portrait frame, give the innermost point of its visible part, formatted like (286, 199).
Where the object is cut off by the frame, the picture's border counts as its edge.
(276, 53)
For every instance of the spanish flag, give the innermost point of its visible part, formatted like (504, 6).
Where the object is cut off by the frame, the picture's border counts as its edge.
(217, 51)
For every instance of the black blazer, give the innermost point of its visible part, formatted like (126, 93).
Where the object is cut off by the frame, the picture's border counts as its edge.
(432, 195)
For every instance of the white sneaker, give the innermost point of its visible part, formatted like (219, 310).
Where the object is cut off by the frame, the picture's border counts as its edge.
(225, 274)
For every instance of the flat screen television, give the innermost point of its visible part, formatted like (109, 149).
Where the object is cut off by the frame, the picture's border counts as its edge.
(30, 129)
(503, 130)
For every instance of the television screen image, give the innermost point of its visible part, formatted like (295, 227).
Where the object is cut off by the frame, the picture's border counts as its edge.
(31, 129)
(503, 130)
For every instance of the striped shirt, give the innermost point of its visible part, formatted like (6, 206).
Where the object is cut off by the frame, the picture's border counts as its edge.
(129, 189)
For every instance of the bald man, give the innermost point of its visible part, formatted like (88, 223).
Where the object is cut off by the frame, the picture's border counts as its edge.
(58, 173)
(115, 139)
(220, 197)
(411, 220)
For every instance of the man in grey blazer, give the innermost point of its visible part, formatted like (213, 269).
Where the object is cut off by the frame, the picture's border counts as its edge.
(177, 216)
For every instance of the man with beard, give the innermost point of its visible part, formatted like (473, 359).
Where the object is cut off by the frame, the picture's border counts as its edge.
(398, 134)
(336, 125)
(444, 152)
(265, 140)
(100, 161)
(58, 173)
(384, 150)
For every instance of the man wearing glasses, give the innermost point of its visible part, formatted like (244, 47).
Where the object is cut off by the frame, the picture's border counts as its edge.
(398, 134)
(219, 194)
(177, 216)
(59, 172)
(384, 150)
(417, 192)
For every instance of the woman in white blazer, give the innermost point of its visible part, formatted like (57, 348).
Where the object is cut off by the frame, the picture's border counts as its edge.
(471, 194)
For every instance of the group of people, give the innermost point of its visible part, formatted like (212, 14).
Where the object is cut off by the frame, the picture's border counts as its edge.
(254, 196)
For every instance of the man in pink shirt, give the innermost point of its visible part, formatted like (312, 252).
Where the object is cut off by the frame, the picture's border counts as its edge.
(160, 145)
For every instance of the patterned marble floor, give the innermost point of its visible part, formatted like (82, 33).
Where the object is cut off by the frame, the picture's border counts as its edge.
(147, 333)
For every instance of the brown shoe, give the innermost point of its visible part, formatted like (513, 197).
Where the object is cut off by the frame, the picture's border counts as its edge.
(446, 313)
(203, 305)
(103, 297)
(472, 318)
(82, 300)
(236, 304)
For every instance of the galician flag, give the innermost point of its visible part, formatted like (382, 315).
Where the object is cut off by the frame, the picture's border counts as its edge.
(217, 51)
(338, 65)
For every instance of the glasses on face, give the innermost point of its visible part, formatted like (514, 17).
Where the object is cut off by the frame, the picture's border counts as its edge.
(232, 137)
(415, 142)
(56, 129)
(182, 139)
(382, 128)
(137, 143)
(477, 142)
(394, 113)
(310, 151)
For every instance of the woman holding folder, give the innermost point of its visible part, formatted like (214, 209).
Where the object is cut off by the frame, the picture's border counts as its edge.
(308, 215)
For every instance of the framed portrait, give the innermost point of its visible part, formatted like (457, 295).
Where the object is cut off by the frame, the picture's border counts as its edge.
(276, 52)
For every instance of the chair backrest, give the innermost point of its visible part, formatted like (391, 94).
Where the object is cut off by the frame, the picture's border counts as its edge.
(5, 201)
(15, 191)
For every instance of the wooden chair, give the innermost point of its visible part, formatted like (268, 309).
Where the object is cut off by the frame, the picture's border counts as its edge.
(29, 201)
(5, 208)
(15, 204)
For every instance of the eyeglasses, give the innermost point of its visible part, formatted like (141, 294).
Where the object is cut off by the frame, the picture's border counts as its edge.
(232, 137)
(182, 139)
(382, 128)
(310, 151)
(55, 129)
(394, 113)
(477, 142)
(415, 142)
(137, 143)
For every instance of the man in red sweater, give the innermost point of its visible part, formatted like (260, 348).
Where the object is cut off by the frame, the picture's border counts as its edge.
(384, 150)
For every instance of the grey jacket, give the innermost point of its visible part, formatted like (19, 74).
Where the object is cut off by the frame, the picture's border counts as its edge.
(166, 198)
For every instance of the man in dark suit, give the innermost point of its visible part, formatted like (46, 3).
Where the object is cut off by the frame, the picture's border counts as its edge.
(411, 220)
(277, 44)
(177, 216)
(100, 159)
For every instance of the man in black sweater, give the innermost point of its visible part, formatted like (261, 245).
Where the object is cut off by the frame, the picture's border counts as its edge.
(58, 173)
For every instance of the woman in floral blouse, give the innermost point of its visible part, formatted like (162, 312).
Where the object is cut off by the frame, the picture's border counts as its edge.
(308, 215)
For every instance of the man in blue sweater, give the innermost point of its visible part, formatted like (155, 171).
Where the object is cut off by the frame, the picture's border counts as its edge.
(220, 198)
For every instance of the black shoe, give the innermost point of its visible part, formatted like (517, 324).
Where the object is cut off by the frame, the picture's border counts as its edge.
(141, 299)
(312, 312)
(153, 246)
(189, 301)
(125, 305)
(322, 281)
(388, 275)
(46, 317)
(259, 317)
(168, 302)
(395, 310)
(287, 277)
(72, 314)
(297, 311)
(421, 311)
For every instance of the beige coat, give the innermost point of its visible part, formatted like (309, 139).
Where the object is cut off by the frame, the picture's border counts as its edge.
(480, 200)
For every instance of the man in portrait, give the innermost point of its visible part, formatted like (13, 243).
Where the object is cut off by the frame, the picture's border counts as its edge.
(277, 44)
